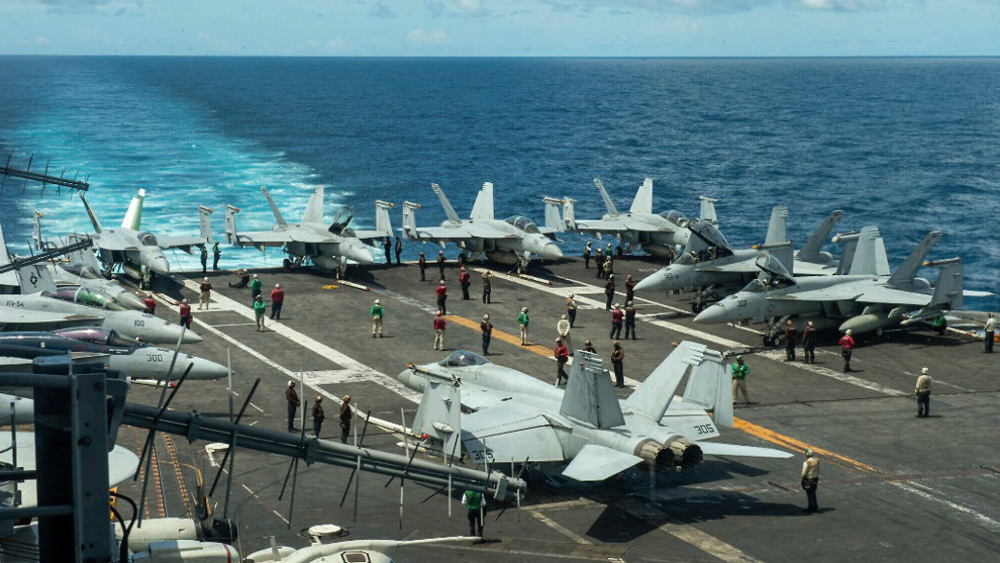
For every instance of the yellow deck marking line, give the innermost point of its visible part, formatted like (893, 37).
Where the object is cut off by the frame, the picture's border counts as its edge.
(501, 335)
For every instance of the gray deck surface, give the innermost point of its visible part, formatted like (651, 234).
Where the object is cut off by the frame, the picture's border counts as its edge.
(893, 486)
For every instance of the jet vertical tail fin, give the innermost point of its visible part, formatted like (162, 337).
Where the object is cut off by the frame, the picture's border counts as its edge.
(231, 235)
(949, 291)
(643, 201)
(810, 250)
(653, 397)
(908, 269)
(278, 217)
(569, 213)
(7, 279)
(552, 219)
(448, 209)
(90, 213)
(848, 248)
(36, 233)
(589, 395)
(314, 209)
(383, 225)
(869, 257)
(205, 222)
(708, 209)
(710, 386)
(410, 220)
(133, 215)
(612, 210)
(483, 208)
(36, 279)
(777, 228)
(440, 415)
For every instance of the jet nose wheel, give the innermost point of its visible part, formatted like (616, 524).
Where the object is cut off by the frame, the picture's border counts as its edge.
(697, 306)
(286, 264)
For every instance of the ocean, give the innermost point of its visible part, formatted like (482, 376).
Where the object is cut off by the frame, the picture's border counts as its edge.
(909, 145)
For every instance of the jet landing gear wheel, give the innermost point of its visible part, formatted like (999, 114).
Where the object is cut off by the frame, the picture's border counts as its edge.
(770, 341)
(698, 306)
(286, 264)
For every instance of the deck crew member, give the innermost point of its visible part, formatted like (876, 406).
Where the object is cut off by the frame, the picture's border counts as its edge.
(561, 354)
(923, 393)
(809, 343)
(586, 256)
(487, 328)
(629, 320)
(255, 288)
(618, 363)
(439, 325)
(216, 254)
(293, 405)
(609, 291)
(487, 286)
(991, 327)
(740, 371)
(522, 325)
(440, 263)
(464, 280)
(617, 316)
(377, 312)
(562, 328)
(422, 262)
(150, 303)
(277, 300)
(346, 414)
(810, 479)
(846, 349)
(185, 311)
(475, 502)
(318, 415)
(442, 297)
(259, 308)
(571, 309)
(791, 335)
(205, 292)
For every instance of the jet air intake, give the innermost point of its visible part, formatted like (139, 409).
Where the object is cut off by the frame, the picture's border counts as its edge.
(678, 452)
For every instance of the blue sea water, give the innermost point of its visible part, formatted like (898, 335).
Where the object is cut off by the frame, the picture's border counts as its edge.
(909, 145)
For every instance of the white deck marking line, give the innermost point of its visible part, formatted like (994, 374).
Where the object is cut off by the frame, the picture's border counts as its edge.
(227, 325)
(278, 514)
(321, 349)
(561, 529)
(779, 356)
(936, 381)
(937, 496)
(708, 543)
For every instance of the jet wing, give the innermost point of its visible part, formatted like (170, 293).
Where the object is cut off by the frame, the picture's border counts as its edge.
(827, 294)
(279, 238)
(15, 316)
(465, 231)
(871, 294)
(185, 243)
(370, 235)
(715, 448)
(882, 294)
(601, 226)
(597, 463)
(510, 434)
(112, 242)
(476, 398)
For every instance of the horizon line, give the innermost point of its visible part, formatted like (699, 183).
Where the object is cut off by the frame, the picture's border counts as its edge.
(745, 57)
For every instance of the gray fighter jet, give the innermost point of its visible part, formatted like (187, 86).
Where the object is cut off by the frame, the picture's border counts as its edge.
(510, 241)
(862, 303)
(519, 418)
(133, 358)
(140, 253)
(709, 261)
(37, 308)
(326, 245)
(659, 234)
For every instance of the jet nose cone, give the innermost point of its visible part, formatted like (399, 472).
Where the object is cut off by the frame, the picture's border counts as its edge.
(716, 313)
(202, 369)
(130, 300)
(358, 253)
(191, 337)
(159, 265)
(648, 283)
(550, 251)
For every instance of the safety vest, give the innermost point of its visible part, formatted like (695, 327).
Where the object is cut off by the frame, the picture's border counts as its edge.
(473, 500)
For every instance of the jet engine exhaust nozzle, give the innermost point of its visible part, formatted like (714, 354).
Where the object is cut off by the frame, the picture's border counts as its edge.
(677, 453)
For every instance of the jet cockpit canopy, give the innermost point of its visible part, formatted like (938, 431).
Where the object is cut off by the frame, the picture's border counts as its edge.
(675, 217)
(147, 239)
(341, 220)
(522, 223)
(463, 358)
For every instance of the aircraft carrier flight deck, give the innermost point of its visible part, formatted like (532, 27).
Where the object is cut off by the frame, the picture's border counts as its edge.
(892, 486)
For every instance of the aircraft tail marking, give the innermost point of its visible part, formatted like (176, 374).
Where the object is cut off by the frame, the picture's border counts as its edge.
(777, 228)
(869, 257)
(383, 225)
(552, 218)
(569, 213)
(643, 201)
(440, 415)
(710, 386)
(653, 397)
(708, 209)
(205, 222)
(133, 216)
(949, 291)
(589, 395)
(231, 236)
(314, 209)
(483, 208)
(448, 209)
(810, 250)
(410, 220)
(612, 210)
(908, 269)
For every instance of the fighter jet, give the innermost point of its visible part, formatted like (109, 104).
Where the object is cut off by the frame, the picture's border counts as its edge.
(510, 241)
(709, 262)
(133, 358)
(658, 234)
(140, 253)
(519, 418)
(326, 245)
(862, 303)
(36, 308)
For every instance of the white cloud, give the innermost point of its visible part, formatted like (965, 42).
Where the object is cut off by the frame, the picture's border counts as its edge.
(425, 38)
(42, 41)
(106, 7)
(338, 43)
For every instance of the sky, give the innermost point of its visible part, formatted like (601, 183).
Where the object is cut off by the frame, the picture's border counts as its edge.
(473, 28)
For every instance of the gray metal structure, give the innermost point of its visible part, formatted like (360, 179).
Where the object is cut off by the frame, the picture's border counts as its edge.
(327, 245)
(509, 241)
(862, 303)
(520, 419)
(659, 234)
